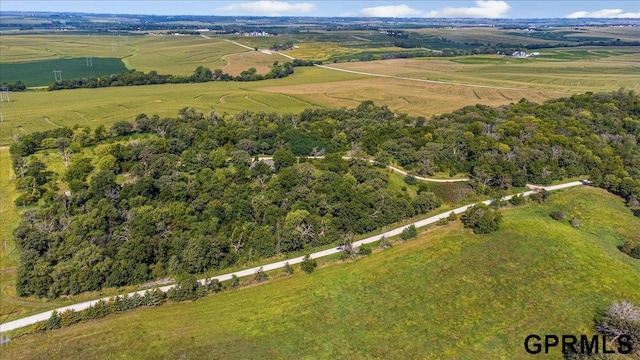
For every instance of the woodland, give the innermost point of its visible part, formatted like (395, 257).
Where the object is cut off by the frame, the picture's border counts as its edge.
(198, 192)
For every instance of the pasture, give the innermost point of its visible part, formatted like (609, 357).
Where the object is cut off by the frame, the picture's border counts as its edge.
(446, 294)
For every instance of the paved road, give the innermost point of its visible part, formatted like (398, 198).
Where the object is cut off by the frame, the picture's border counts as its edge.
(15, 324)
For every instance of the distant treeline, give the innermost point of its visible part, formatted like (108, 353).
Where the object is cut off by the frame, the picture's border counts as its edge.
(18, 86)
(479, 48)
(200, 74)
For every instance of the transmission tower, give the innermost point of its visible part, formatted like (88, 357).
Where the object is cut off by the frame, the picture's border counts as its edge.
(4, 93)
(58, 75)
(89, 61)
(114, 47)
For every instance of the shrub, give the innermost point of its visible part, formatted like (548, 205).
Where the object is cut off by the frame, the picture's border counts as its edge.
(574, 222)
(409, 233)
(69, 317)
(621, 318)
(260, 275)
(385, 242)
(234, 282)
(288, 269)
(308, 264)
(410, 180)
(54, 321)
(213, 285)
(364, 250)
(517, 200)
(482, 219)
(557, 215)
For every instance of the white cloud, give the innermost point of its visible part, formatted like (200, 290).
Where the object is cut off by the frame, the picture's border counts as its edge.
(483, 9)
(604, 13)
(388, 11)
(272, 8)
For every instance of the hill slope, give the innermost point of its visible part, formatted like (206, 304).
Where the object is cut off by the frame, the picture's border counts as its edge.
(447, 294)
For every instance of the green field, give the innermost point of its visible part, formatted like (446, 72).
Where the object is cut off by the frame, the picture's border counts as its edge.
(40, 73)
(448, 294)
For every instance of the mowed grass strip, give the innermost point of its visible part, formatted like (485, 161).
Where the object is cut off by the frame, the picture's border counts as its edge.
(447, 294)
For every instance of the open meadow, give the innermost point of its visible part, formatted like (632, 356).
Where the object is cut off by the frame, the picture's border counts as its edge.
(448, 293)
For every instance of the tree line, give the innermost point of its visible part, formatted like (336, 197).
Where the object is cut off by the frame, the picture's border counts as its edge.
(188, 194)
(199, 75)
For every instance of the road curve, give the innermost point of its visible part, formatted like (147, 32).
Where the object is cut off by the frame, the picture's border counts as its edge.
(30, 320)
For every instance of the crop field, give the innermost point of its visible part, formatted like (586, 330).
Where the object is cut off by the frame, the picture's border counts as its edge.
(489, 290)
(27, 48)
(262, 61)
(526, 74)
(40, 110)
(180, 55)
(166, 54)
(40, 73)
(490, 80)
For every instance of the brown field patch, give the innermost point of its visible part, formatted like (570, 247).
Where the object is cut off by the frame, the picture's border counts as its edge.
(237, 63)
(412, 97)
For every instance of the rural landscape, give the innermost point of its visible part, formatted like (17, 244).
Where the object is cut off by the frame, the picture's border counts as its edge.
(235, 187)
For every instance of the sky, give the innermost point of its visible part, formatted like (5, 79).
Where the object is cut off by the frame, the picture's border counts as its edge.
(372, 8)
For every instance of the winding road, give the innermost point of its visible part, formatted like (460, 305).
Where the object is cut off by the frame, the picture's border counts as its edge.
(30, 320)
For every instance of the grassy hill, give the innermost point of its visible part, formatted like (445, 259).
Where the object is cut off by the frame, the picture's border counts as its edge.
(447, 294)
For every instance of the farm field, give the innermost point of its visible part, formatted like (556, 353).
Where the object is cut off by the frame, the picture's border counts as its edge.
(489, 290)
(40, 73)
(490, 80)
(165, 54)
(550, 36)
(600, 73)
(40, 110)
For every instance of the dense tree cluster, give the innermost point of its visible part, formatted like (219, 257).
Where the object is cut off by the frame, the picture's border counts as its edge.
(200, 74)
(169, 196)
(17, 86)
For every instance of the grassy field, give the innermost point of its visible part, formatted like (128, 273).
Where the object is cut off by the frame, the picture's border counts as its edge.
(40, 73)
(447, 294)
